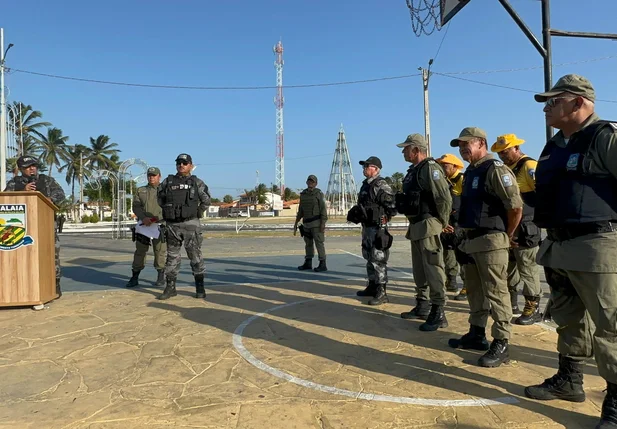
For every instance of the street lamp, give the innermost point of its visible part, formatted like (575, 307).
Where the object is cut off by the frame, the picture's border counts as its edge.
(3, 145)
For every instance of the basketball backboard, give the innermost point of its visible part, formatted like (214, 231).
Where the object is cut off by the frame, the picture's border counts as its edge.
(449, 8)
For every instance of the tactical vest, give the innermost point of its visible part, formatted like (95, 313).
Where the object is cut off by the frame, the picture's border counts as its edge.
(421, 203)
(479, 209)
(529, 198)
(181, 199)
(567, 193)
(456, 200)
(367, 200)
(310, 205)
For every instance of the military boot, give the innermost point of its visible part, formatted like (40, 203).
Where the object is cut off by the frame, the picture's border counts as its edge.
(134, 280)
(475, 339)
(200, 291)
(160, 279)
(567, 384)
(308, 264)
(380, 296)
(370, 290)
(58, 289)
(531, 311)
(608, 418)
(497, 354)
(462, 295)
(514, 301)
(451, 285)
(321, 267)
(420, 311)
(436, 319)
(170, 289)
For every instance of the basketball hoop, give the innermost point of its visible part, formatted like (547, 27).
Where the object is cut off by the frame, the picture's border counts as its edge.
(425, 16)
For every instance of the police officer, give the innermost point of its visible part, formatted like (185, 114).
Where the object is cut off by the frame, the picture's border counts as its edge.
(314, 216)
(453, 167)
(427, 203)
(491, 209)
(148, 211)
(31, 180)
(576, 202)
(522, 267)
(375, 208)
(184, 199)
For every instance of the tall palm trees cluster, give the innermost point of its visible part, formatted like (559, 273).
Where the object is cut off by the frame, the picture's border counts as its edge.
(38, 138)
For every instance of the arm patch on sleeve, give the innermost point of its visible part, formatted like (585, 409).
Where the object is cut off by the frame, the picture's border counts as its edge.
(506, 180)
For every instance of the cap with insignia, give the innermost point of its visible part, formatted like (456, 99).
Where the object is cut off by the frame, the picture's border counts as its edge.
(312, 177)
(184, 157)
(153, 171)
(372, 160)
(506, 142)
(27, 161)
(572, 83)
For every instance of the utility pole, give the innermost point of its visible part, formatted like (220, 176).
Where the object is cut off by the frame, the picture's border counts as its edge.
(2, 116)
(426, 74)
(81, 185)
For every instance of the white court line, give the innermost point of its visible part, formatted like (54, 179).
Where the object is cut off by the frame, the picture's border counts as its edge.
(239, 346)
(391, 269)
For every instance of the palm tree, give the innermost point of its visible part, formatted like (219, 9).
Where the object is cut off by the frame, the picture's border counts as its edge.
(53, 148)
(26, 123)
(102, 153)
(75, 155)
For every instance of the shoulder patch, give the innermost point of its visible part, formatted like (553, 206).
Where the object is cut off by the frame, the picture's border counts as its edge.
(430, 161)
(506, 180)
(532, 173)
(498, 163)
(436, 175)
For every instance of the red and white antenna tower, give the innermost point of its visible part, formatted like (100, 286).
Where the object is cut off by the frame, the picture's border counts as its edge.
(279, 100)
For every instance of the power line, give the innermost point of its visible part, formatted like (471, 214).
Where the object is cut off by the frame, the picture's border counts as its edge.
(261, 162)
(441, 43)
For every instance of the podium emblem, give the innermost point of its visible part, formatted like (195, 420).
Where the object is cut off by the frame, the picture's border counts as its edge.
(13, 234)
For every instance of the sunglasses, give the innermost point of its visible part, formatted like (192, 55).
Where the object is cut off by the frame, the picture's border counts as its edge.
(552, 102)
(182, 163)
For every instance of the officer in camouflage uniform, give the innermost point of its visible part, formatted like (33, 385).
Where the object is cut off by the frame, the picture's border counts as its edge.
(31, 180)
(375, 208)
(491, 209)
(453, 166)
(522, 267)
(576, 178)
(427, 203)
(314, 216)
(184, 199)
(146, 208)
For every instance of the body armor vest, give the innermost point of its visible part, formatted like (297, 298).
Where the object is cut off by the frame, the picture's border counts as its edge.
(367, 200)
(310, 204)
(529, 198)
(181, 199)
(479, 209)
(42, 183)
(421, 203)
(567, 193)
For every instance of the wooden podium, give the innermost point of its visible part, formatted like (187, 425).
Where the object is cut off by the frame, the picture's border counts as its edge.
(27, 249)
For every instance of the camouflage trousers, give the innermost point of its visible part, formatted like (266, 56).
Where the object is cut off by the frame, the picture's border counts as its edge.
(189, 233)
(376, 260)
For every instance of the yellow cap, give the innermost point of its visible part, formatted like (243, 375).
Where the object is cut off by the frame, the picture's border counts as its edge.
(448, 158)
(506, 142)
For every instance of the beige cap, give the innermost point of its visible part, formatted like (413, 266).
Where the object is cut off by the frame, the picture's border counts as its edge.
(572, 83)
(467, 134)
(416, 140)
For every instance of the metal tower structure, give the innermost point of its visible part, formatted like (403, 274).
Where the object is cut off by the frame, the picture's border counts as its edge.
(279, 100)
(342, 194)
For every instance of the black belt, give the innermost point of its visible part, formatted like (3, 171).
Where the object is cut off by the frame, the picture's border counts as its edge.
(475, 233)
(312, 219)
(578, 230)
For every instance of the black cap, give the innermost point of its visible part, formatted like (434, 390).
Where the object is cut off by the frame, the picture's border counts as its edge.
(312, 177)
(184, 157)
(372, 160)
(27, 161)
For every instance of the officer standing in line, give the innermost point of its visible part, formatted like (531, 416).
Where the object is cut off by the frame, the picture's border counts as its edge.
(576, 178)
(375, 208)
(491, 209)
(453, 168)
(427, 203)
(148, 211)
(522, 267)
(314, 216)
(31, 180)
(184, 199)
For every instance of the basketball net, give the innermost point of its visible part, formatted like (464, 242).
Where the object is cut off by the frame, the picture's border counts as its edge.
(425, 16)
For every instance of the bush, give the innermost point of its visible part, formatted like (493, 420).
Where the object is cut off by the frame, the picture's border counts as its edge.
(85, 219)
(94, 218)
(107, 219)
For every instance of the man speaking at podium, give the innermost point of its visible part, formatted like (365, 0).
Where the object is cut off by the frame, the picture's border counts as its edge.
(31, 180)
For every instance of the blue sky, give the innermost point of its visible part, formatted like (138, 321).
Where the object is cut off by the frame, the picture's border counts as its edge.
(231, 134)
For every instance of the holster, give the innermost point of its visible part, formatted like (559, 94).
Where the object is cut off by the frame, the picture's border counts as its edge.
(383, 239)
(163, 236)
(133, 233)
(142, 239)
(301, 229)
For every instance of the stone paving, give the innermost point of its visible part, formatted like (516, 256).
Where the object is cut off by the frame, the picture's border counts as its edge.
(269, 347)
